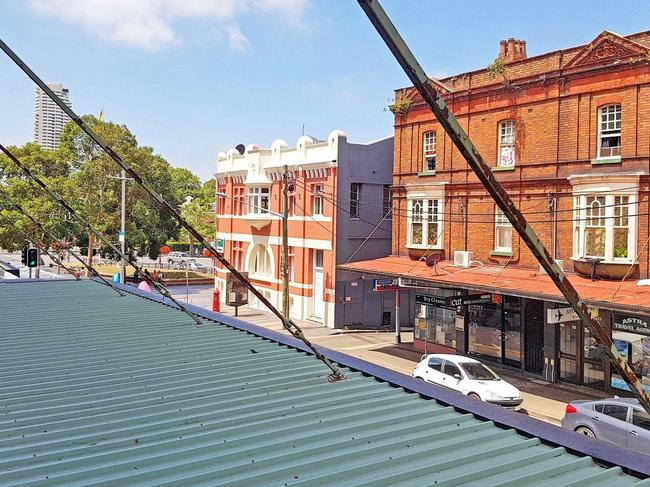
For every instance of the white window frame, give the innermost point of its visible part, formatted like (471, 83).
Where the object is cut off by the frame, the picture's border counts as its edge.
(428, 211)
(609, 125)
(260, 263)
(318, 203)
(258, 200)
(429, 151)
(608, 216)
(501, 222)
(507, 141)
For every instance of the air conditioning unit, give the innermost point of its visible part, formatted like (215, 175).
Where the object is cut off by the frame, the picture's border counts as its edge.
(462, 258)
(559, 262)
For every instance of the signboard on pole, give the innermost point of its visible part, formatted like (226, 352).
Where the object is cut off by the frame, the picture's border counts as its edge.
(221, 245)
(236, 292)
(386, 285)
(561, 315)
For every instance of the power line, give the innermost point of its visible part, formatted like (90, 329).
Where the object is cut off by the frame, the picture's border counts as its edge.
(41, 247)
(343, 209)
(492, 221)
(47, 232)
(287, 322)
(159, 287)
(524, 212)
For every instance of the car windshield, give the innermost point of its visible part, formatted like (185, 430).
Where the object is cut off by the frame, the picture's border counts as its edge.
(478, 371)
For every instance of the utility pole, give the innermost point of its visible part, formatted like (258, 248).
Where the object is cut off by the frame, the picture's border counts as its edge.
(122, 236)
(285, 241)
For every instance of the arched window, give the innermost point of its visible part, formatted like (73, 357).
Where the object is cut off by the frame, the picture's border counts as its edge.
(259, 262)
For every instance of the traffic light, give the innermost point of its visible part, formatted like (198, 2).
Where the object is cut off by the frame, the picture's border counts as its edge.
(32, 257)
(23, 257)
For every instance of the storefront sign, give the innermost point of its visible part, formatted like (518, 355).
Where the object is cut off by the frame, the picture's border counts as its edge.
(469, 300)
(561, 315)
(631, 324)
(386, 285)
(426, 299)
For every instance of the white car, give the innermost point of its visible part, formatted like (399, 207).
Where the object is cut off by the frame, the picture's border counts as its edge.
(178, 258)
(469, 377)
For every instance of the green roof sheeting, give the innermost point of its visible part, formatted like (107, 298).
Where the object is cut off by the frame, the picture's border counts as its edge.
(97, 389)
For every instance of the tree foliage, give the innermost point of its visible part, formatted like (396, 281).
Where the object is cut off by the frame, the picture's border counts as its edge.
(89, 181)
(199, 212)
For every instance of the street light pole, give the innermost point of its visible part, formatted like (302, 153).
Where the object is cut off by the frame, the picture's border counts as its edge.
(123, 227)
(285, 241)
(122, 236)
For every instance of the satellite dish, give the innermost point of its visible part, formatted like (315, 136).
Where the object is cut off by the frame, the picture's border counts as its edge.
(432, 260)
(241, 148)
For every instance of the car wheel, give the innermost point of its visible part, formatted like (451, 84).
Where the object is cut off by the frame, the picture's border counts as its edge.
(583, 430)
(473, 395)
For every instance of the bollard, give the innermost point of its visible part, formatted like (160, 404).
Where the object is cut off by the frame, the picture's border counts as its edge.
(216, 304)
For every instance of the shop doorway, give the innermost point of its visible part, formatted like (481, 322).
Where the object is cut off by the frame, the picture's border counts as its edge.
(534, 336)
(318, 305)
(581, 361)
(494, 331)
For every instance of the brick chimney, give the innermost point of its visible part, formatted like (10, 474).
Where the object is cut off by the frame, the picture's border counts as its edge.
(512, 50)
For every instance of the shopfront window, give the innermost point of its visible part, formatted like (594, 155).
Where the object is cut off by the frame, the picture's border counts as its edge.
(631, 336)
(495, 330)
(485, 330)
(434, 322)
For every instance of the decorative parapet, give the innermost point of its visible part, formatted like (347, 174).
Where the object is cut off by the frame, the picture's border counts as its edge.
(257, 163)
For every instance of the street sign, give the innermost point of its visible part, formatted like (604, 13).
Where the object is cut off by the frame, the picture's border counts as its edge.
(221, 245)
(426, 299)
(386, 285)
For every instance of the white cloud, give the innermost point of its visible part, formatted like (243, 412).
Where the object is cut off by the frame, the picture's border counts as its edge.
(237, 41)
(148, 24)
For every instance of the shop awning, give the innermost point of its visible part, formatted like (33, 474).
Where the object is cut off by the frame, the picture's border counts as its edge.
(513, 281)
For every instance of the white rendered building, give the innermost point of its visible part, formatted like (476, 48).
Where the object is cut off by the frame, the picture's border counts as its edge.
(49, 119)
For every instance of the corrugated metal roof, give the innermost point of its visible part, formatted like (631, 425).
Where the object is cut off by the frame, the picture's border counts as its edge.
(101, 390)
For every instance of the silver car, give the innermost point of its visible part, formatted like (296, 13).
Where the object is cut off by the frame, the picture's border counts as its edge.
(620, 421)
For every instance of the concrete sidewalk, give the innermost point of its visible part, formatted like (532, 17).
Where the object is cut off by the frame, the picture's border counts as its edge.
(542, 400)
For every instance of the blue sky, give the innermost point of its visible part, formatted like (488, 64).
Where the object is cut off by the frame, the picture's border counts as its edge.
(195, 77)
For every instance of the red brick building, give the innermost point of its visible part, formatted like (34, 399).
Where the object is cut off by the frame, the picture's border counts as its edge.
(568, 135)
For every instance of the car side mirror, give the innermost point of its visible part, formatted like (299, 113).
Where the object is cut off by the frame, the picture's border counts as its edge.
(457, 376)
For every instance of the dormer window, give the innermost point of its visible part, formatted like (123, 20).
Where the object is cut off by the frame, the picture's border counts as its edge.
(609, 131)
(507, 134)
(429, 148)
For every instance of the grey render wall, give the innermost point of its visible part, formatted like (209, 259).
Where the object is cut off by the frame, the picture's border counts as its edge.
(371, 165)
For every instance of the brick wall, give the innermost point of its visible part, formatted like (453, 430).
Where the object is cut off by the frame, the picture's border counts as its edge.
(557, 132)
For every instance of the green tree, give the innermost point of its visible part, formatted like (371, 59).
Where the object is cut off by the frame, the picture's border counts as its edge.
(16, 187)
(184, 183)
(97, 189)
